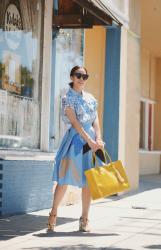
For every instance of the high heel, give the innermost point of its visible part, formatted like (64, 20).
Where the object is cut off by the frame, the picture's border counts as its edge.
(51, 227)
(84, 225)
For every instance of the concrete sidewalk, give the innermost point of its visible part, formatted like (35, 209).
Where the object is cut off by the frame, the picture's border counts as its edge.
(123, 222)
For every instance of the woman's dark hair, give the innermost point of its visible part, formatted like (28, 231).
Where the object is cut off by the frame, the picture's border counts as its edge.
(73, 71)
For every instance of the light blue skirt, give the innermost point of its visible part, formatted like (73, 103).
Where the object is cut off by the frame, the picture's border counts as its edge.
(70, 162)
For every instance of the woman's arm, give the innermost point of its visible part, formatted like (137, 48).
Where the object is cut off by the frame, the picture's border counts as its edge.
(97, 129)
(75, 123)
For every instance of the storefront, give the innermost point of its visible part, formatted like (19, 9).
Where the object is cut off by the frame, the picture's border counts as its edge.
(40, 41)
(150, 101)
(21, 41)
(21, 68)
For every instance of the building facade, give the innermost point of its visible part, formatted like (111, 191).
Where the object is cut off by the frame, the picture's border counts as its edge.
(40, 41)
(150, 100)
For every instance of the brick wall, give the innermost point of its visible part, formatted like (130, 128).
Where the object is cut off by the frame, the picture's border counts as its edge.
(25, 186)
(1, 186)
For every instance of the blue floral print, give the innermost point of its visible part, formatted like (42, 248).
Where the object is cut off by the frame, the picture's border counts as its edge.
(70, 162)
(84, 105)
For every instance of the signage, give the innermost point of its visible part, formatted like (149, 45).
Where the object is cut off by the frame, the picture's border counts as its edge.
(13, 26)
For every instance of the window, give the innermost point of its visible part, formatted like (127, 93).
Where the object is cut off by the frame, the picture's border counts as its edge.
(69, 52)
(146, 124)
(21, 25)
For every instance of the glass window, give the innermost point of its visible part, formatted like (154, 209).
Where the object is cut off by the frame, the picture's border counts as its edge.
(69, 52)
(21, 25)
(146, 125)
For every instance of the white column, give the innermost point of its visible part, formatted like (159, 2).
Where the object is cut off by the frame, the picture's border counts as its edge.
(129, 113)
(123, 86)
(46, 76)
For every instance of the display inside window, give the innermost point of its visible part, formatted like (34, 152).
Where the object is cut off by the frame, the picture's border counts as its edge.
(69, 53)
(21, 25)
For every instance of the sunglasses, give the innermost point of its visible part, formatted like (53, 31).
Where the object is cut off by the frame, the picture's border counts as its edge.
(79, 75)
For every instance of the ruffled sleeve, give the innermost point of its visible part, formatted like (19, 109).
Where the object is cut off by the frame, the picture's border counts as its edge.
(67, 102)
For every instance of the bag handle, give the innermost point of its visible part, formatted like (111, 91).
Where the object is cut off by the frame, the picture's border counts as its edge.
(106, 156)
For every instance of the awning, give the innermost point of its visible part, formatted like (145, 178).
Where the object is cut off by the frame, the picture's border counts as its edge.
(98, 9)
(81, 14)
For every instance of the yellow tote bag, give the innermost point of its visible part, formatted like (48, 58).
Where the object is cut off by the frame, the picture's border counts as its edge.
(106, 180)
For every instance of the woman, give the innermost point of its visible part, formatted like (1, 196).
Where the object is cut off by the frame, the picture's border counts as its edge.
(78, 110)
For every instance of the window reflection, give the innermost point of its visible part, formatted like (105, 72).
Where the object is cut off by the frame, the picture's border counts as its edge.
(69, 52)
(20, 69)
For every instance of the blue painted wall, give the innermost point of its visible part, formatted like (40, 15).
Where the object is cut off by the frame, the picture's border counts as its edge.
(26, 186)
(1, 186)
(111, 92)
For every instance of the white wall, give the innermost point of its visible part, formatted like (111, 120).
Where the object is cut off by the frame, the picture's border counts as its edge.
(129, 105)
(149, 162)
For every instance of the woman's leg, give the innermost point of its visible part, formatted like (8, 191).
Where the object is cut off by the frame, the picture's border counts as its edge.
(58, 196)
(86, 201)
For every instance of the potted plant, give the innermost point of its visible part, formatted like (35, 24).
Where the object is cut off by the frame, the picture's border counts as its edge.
(26, 82)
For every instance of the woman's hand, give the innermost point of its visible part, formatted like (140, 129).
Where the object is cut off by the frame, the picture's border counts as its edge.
(93, 144)
(100, 143)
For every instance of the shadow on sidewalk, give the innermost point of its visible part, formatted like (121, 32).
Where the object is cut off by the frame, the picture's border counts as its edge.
(24, 224)
(153, 247)
(77, 247)
(72, 234)
(146, 183)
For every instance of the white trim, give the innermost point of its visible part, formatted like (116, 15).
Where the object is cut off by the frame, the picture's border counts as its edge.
(26, 155)
(150, 101)
(142, 151)
(46, 76)
(123, 95)
(152, 128)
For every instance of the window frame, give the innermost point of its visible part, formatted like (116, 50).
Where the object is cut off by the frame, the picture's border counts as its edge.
(38, 149)
(149, 142)
(46, 77)
(45, 92)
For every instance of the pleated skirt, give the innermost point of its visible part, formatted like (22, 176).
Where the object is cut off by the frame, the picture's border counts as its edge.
(70, 162)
